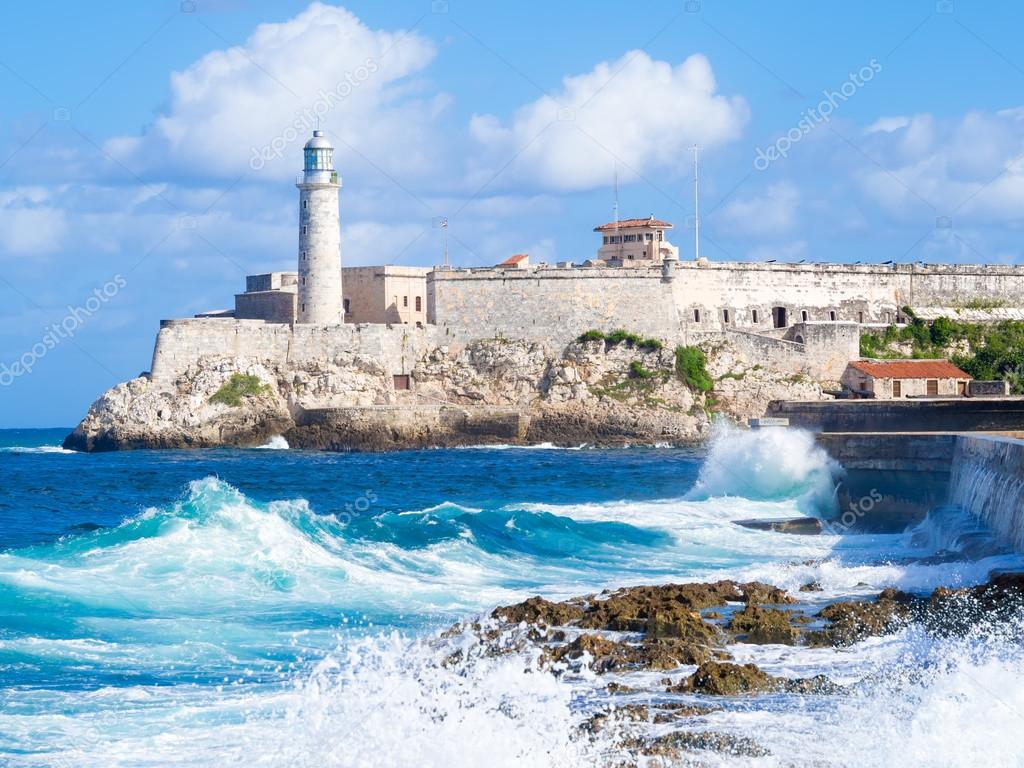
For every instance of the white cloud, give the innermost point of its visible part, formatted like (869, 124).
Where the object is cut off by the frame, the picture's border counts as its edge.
(262, 96)
(30, 224)
(971, 167)
(888, 124)
(642, 111)
(771, 213)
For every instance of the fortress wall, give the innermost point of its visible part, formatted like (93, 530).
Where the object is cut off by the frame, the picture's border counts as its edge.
(817, 350)
(855, 294)
(182, 343)
(550, 305)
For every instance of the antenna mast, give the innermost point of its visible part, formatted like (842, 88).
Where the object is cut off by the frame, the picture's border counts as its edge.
(444, 226)
(615, 209)
(696, 203)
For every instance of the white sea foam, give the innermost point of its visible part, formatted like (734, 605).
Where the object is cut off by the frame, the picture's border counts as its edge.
(772, 463)
(35, 449)
(276, 443)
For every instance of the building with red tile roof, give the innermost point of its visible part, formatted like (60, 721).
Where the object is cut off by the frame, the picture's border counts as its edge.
(635, 242)
(893, 379)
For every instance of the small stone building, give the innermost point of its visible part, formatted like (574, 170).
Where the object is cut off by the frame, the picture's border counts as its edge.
(629, 241)
(893, 379)
(385, 294)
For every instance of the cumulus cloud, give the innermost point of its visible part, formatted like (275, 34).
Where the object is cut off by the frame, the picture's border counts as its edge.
(771, 213)
(30, 223)
(640, 111)
(254, 105)
(970, 166)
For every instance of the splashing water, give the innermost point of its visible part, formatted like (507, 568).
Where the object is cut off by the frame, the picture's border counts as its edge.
(300, 628)
(771, 464)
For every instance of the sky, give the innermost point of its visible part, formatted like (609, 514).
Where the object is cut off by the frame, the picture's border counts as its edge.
(148, 150)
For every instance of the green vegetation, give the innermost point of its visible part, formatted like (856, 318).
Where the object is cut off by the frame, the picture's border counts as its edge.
(692, 368)
(620, 335)
(237, 388)
(995, 352)
(984, 303)
(637, 371)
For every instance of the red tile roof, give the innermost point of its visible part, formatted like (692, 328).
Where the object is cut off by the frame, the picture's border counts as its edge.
(909, 369)
(650, 221)
(511, 261)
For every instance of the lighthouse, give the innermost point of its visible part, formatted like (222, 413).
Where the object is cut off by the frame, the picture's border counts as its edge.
(319, 235)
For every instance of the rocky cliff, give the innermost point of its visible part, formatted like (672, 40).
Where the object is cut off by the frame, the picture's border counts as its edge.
(494, 390)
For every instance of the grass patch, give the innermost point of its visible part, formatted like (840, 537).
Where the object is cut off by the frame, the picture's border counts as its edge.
(692, 368)
(237, 388)
(619, 336)
(637, 371)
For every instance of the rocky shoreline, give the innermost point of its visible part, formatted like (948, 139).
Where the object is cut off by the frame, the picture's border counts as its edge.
(688, 632)
(491, 391)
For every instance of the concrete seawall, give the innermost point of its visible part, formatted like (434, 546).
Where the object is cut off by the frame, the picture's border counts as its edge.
(988, 480)
(906, 474)
(940, 415)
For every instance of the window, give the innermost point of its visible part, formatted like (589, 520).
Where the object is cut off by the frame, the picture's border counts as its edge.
(863, 386)
(630, 238)
(803, 315)
(348, 304)
(649, 236)
(303, 255)
(696, 315)
(897, 388)
(725, 316)
(303, 281)
(661, 236)
(832, 315)
(753, 315)
(304, 204)
(303, 229)
(419, 303)
(606, 239)
(303, 307)
(860, 317)
(405, 301)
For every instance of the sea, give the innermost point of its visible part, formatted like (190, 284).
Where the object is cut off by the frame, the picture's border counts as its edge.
(276, 607)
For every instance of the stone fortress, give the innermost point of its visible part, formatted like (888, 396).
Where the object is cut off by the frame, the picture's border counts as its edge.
(333, 337)
(803, 318)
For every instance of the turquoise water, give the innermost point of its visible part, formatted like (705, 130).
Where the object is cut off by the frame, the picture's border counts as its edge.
(278, 607)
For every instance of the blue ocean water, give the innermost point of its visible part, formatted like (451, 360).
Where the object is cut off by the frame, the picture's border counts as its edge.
(280, 607)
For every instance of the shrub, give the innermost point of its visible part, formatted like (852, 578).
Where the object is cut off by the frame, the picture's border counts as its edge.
(691, 367)
(943, 331)
(652, 344)
(619, 335)
(592, 336)
(637, 371)
(238, 387)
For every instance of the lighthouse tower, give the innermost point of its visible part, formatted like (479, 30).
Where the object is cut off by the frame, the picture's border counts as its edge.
(319, 235)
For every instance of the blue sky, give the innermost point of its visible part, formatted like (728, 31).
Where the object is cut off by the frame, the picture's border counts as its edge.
(129, 191)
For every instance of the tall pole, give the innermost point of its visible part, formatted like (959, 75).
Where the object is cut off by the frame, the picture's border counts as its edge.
(615, 209)
(444, 225)
(696, 203)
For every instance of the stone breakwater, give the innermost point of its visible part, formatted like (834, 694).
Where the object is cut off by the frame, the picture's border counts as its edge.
(377, 388)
